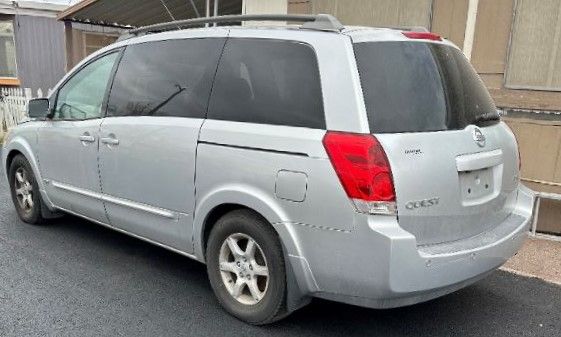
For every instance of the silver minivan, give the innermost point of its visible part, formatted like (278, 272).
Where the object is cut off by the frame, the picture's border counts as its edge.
(362, 165)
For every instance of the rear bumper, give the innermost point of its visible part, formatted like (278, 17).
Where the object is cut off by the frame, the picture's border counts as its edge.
(379, 264)
(439, 266)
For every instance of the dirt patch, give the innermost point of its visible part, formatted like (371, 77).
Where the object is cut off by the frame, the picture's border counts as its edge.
(539, 258)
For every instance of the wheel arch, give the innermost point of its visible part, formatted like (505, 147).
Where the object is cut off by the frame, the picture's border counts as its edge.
(20, 146)
(10, 157)
(215, 214)
(219, 202)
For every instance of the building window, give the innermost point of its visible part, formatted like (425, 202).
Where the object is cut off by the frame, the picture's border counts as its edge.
(7, 49)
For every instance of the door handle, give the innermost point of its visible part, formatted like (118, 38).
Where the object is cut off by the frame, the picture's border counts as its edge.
(110, 141)
(86, 138)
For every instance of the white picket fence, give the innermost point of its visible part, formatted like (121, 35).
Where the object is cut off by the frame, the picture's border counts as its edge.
(12, 106)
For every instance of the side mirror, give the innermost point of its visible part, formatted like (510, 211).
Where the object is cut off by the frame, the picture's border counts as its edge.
(38, 108)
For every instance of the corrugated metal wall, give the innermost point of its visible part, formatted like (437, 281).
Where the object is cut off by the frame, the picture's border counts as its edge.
(40, 51)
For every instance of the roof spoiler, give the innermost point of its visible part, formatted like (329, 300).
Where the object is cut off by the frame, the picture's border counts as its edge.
(420, 29)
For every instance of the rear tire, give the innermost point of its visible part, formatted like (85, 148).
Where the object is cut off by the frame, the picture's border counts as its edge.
(251, 287)
(25, 191)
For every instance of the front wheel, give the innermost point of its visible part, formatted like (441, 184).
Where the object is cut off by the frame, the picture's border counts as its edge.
(25, 191)
(246, 268)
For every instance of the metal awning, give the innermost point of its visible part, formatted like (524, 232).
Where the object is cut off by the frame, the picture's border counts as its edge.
(137, 13)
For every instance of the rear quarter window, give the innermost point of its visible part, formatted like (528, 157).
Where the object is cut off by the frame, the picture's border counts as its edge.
(418, 87)
(268, 82)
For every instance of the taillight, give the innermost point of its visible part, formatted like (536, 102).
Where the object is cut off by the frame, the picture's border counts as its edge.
(423, 36)
(363, 169)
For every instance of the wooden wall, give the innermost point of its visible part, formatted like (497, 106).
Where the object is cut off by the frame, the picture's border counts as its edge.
(535, 54)
(264, 7)
(377, 12)
(83, 39)
(299, 7)
(492, 34)
(449, 19)
(540, 149)
(516, 45)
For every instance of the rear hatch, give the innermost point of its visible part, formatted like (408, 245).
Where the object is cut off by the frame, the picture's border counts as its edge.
(454, 164)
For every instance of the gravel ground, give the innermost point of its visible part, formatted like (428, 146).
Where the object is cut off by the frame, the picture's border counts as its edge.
(539, 258)
(73, 278)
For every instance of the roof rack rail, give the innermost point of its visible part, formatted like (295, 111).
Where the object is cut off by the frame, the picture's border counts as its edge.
(324, 22)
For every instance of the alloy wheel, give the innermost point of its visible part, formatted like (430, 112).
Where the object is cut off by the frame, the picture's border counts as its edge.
(243, 268)
(24, 190)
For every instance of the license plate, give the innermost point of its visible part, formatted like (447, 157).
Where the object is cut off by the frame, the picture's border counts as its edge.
(477, 186)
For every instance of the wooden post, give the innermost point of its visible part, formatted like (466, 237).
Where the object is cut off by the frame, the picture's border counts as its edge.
(207, 11)
(2, 117)
(215, 10)
(470, 27)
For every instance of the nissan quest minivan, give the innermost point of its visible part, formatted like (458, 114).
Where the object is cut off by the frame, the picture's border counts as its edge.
(363, 165)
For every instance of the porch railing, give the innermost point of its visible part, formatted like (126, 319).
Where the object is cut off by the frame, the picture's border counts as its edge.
(13, 106)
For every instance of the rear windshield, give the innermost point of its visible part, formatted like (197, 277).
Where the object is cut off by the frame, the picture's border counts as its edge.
(417, 86)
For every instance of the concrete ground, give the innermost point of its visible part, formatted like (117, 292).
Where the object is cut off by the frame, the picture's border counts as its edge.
(540, 257)
(74, 278)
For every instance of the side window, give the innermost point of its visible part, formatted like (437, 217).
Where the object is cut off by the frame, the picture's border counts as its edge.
(165, 78)
(268, 82)
(82, 96)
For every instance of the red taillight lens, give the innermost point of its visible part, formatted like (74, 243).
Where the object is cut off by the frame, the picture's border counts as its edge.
(363, 169)
(423, 36)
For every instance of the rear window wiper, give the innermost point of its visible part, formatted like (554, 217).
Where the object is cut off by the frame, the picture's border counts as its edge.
(486, 117)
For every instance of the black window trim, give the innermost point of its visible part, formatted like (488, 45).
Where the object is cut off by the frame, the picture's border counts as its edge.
(106, 94)
(121, 51)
